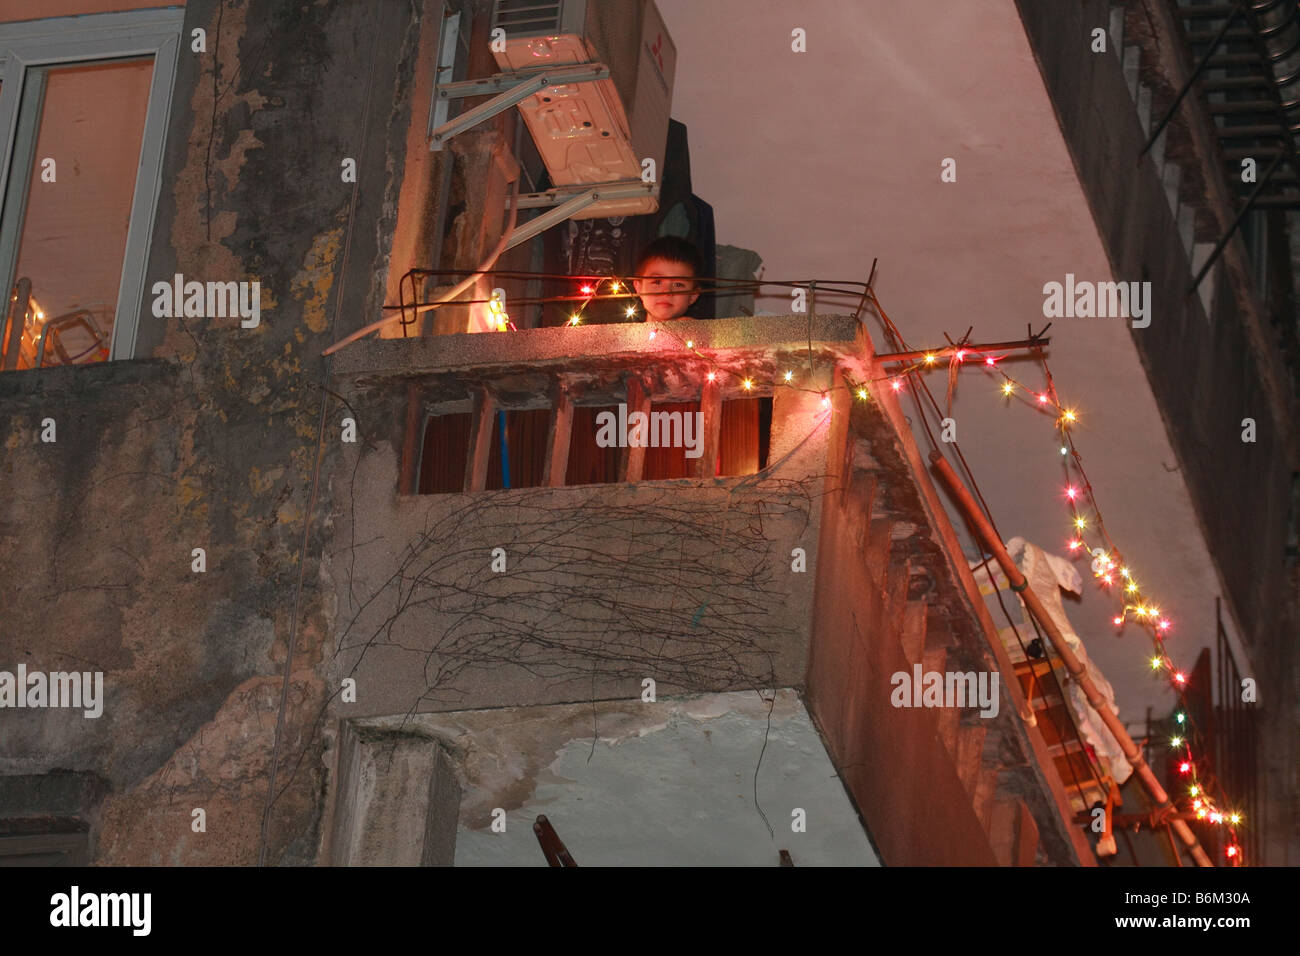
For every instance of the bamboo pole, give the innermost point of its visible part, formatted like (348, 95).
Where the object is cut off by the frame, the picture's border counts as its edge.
(1077, 671)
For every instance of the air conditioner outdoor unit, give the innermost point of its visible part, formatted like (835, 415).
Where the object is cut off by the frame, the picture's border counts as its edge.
(599, 131)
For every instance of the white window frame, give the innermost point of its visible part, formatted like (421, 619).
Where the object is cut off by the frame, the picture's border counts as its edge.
(37, 43)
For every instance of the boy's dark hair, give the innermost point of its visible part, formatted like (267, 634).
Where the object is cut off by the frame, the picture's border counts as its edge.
(671, 249)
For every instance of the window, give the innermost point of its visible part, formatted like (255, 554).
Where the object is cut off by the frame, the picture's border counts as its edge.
(446, 453)
(589, 463)
(745, 433)
(44, 841)
(670, 460)
(84, 103)
(528, 432)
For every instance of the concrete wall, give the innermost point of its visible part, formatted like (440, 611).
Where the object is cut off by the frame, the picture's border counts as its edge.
(210, 443)
(957, 788)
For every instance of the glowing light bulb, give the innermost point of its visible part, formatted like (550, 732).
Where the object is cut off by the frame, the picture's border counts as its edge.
(614, 287)
(961, 354)
(652, 335)
(713, 376)
(587, 290)
(1075, 545)
(1164, 625)
(1064, 450)
(1069, 415)
(747, 385)
(1184, 767)
(1175, 741)
(1071, 492)
(1180, 678)
(1042, 399)
(1234, 819)
(573, 320)
(1231, 851)
(1194, 791)
(929, 358)
(1080, 523)
(1132, 586)
(989, 360)
(895, 384)
(631, 311)
(690, 344)
(1008, 388)
(1155, 665)
(862, 394)
(789, 375)
(1216, 817)
(826, 401)
(1118, 621)
(1180, 717)
(1124, 572)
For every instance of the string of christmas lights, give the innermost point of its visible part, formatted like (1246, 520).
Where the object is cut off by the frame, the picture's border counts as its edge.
(1108, 565)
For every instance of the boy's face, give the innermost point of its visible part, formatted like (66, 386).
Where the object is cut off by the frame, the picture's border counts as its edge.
(667, 291)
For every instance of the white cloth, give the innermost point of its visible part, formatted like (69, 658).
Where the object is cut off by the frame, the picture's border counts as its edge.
(1047, 574)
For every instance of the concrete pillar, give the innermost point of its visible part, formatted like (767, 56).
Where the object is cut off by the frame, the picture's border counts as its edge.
(398, 800)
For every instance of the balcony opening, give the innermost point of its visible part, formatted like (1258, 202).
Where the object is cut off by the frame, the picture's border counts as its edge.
(671, 461)
(527, 433)
(745, 436)
(445, 454)
(589, 464)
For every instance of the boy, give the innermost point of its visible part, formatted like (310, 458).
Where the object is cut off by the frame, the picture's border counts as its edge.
(670, 267)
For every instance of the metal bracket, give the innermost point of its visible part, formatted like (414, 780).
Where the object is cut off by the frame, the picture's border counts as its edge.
(568, 206)
(510, 88)
(448, 37)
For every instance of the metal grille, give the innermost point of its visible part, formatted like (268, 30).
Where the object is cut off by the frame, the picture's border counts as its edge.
(1236, 743)
(527, 17)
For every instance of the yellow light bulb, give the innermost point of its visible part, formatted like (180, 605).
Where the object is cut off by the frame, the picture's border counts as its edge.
(613, 286)
(789, 375)
(747, 384)
(1080, 523)
(1176, 741)
(631, 311)
(929, 359)
(573, 320)
(1069, 415)
(862, 394)
(1155, 663)
(1008, 388)
(1235, 819)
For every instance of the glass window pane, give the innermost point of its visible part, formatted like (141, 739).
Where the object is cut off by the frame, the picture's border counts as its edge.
(73, 235)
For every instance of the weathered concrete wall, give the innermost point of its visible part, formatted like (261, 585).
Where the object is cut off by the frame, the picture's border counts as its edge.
(957, 788)
(686, 582)
(212, 443)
